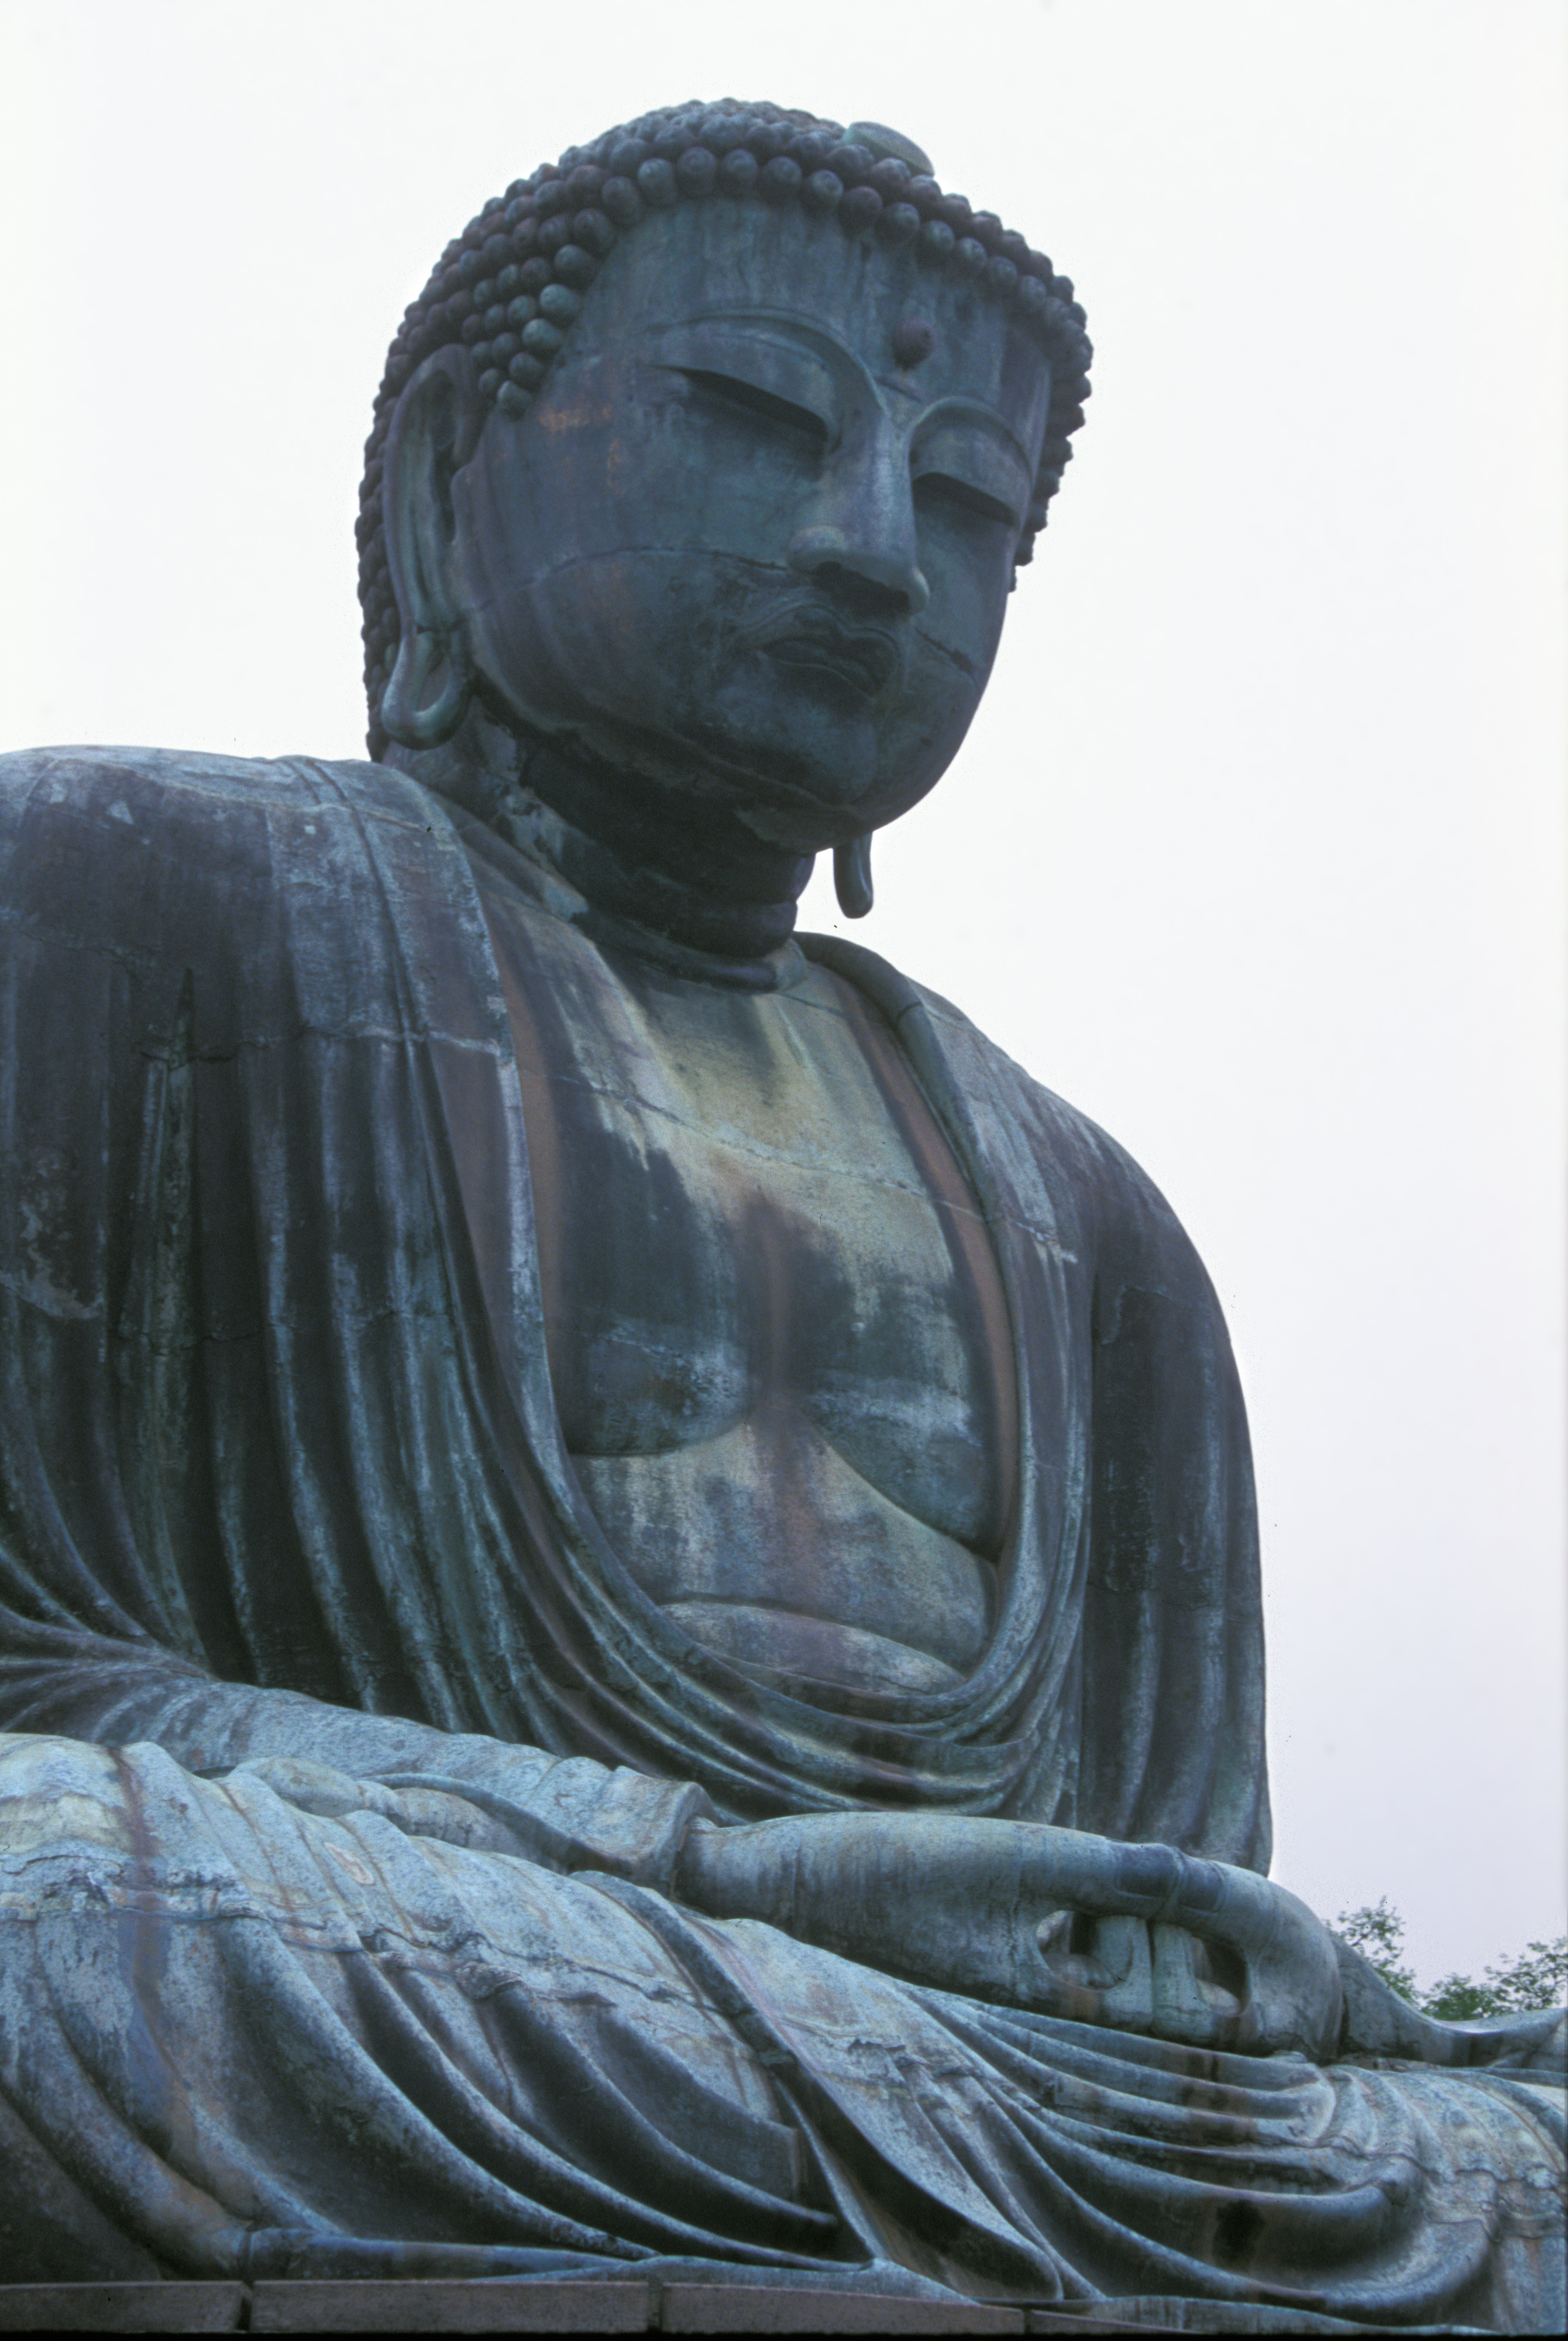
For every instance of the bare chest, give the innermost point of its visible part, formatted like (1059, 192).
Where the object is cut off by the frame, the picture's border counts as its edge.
(776, 1337)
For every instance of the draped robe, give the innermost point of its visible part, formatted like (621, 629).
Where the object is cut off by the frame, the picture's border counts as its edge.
(349, 1763)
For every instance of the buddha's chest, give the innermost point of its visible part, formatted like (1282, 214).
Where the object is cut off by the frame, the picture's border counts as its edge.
(776, 1337)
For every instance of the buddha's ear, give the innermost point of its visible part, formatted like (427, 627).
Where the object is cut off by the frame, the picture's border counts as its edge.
(434, 430)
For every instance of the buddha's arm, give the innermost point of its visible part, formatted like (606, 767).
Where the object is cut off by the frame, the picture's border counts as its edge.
(960, 1903)
(572, 1813)
(956, 1902)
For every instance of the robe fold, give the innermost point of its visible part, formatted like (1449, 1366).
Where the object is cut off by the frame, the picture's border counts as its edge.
(348, 1762)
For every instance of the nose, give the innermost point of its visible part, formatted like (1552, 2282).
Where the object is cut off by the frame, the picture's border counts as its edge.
(864, 527)
(814, 550)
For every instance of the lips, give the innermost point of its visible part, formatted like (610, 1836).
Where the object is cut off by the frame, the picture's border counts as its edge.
(857, 658)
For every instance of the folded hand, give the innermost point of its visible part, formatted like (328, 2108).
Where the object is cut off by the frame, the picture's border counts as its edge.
(1055, 1920)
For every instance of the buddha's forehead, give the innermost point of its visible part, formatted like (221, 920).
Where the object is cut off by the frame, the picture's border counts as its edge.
(922, 330)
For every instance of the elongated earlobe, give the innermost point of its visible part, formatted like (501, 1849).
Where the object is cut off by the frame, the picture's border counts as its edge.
(852, 877)
(412, 712)
(433, 433)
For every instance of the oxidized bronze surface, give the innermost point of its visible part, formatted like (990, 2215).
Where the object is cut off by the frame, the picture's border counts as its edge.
(629, 1626)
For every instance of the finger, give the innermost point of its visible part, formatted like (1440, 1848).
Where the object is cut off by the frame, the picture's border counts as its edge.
(1183, 1996)
(1117, 1945)
(311, 1786)
(1235, 1907)
(1155, 1882)
(1107, 1984)
(1293, 1992)
(1262, 1925)
(1095, 1875)
(1141, 1979)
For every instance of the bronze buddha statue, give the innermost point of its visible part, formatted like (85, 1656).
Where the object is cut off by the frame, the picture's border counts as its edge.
(630, 1627)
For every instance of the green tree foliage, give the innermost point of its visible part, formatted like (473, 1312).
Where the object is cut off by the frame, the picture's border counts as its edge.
(1535, 1978)
(1377, 1931)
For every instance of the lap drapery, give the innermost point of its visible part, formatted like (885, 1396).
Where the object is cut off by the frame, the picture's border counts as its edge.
(238, 2038)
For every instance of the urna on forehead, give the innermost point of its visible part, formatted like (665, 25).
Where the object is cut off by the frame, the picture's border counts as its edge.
(511, 287)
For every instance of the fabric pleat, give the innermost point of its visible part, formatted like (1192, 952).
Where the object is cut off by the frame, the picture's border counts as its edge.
(284, 1501)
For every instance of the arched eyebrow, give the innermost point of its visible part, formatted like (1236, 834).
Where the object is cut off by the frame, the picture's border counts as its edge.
(769, 324)
(975, 411)
(788, 369)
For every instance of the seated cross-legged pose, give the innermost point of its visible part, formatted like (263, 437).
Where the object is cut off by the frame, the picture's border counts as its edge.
(630, 1630)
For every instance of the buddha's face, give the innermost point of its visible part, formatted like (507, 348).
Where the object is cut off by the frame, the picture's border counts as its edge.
(756, 533)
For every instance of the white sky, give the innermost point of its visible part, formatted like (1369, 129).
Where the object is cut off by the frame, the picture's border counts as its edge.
(1256, 851)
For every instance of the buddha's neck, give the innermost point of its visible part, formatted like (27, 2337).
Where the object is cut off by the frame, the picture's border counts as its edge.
(649, 860)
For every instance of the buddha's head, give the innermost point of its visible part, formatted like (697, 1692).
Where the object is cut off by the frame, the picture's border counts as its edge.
(708, 455)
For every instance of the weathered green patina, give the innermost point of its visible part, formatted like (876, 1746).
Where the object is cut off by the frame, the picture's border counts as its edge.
(630, 1617)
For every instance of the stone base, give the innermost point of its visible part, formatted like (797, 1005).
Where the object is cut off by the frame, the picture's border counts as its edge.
(415, 2305)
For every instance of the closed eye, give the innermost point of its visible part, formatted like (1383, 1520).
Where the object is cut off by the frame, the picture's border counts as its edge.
(762, 405)
(943, 490)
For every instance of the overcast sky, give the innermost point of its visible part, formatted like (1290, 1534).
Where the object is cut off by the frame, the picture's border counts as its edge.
(1256, 851)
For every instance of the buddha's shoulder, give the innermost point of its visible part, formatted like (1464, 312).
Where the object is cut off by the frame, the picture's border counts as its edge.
(178, 831)
(224, 865)
(123, 783)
